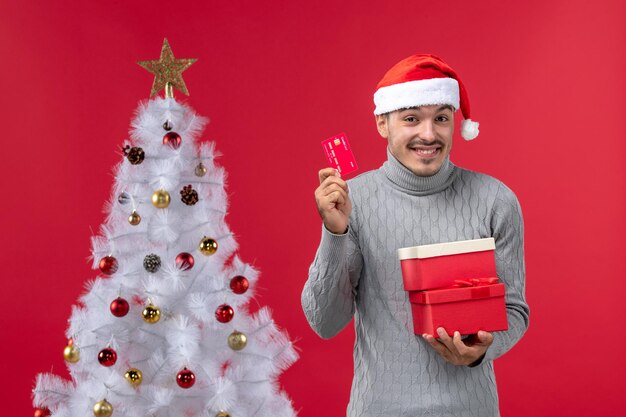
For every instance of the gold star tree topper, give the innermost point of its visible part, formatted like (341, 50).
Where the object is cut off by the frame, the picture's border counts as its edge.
(168, 71)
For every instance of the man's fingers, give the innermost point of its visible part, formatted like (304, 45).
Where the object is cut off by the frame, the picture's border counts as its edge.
(338, 197)
(331, 198)
(328, 172)
(459, 344)
(332, 188)
(485, 338)
(445, 339)
(331, 180)
(455, 351)
(442, 349)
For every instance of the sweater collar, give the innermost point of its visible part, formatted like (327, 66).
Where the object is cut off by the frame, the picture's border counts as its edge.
(406, 180)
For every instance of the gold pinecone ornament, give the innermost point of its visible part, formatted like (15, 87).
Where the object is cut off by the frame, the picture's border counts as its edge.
(188, 195)
(135, 155)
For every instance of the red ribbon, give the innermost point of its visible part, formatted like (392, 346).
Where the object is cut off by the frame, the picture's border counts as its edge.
(474, 282)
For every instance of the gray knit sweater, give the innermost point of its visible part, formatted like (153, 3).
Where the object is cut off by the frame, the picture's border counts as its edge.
(396, 373)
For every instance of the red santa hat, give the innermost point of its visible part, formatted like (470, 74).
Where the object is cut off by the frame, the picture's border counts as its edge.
(422, 80)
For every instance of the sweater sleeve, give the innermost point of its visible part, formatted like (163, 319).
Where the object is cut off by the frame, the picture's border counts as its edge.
(328, 297)
(507, 228)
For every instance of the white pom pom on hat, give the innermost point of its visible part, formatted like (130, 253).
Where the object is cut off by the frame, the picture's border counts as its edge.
(469, 129)
(422, 80)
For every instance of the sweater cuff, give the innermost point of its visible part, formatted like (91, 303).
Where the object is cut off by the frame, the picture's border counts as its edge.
(478, 361)
(333, 246)
(493, 350)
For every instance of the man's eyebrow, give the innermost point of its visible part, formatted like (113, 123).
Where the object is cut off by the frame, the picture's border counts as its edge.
(447, 106)
(418, 108)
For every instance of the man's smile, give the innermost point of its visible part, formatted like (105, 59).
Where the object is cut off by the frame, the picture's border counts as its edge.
(426, 151)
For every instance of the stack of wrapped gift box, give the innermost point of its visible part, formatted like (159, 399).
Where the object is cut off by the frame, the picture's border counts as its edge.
(455, 286)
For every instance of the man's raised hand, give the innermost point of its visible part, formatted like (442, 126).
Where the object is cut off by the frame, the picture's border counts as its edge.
(333, 202)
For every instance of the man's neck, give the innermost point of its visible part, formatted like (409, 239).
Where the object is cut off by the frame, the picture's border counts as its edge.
(408, 181)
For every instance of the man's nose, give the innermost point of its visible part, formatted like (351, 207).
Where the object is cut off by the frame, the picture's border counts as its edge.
(426, 131)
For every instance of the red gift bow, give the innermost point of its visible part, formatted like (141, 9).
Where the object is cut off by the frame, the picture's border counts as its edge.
(474, 282)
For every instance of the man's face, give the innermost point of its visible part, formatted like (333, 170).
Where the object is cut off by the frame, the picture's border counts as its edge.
(420, 138)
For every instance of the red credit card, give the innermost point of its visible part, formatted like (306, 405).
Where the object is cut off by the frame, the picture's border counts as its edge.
(339, 154)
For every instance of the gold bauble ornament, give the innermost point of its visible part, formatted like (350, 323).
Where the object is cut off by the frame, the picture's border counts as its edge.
(222, 414)
(237, 340)
(71, 353)
(151, 314)
(134, 218)
(208, 246)
(161, 199)
(134, 377)
(200, 170)
(102, 409)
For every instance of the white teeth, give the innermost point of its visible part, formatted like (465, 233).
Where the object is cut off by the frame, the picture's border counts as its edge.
(426, 152)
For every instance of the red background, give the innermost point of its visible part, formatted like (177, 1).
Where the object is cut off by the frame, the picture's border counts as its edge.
(546, 82)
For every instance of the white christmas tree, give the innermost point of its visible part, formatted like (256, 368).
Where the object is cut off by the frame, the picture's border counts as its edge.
(164, 330)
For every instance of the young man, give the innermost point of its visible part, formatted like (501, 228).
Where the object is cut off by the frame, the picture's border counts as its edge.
(417, 197)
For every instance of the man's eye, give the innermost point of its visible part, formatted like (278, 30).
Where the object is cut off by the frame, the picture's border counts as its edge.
(410, 119)
(442, 118)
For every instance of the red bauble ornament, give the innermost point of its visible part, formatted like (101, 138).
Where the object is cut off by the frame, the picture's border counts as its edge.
(42, 412)
(185, 378)
(108, 265)
(224, 313)
(239, 284)
(119, 307)
(184, 261)
(107, 357)
(172, 139)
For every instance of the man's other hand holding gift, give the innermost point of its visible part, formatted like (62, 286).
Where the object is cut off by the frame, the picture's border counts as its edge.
(468, 352)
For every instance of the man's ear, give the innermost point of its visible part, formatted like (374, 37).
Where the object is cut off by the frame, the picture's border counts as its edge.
(382, 124)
